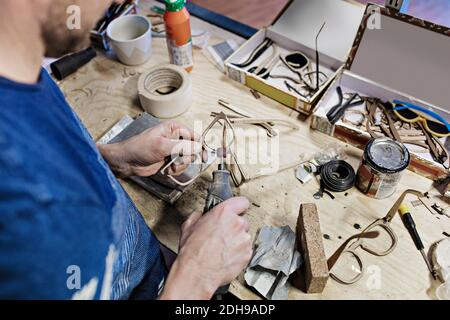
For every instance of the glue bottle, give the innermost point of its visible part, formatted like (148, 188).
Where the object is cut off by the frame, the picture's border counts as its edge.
(178, 31)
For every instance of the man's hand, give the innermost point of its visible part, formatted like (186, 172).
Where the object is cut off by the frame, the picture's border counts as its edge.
(145, 154)
(214, 249)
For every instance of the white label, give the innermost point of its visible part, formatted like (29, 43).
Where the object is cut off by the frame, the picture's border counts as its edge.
(236, 75)
(388, 184)
(181, 55)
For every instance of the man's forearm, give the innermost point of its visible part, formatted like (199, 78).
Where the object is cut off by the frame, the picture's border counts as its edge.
(185, 282)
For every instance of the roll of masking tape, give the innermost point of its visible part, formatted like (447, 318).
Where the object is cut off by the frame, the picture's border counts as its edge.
(165, 91)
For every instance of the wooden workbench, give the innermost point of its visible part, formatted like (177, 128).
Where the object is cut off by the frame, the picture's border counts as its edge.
(104, 91)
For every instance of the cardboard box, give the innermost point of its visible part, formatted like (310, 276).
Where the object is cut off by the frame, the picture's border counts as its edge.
(296, 30)
(394, 56)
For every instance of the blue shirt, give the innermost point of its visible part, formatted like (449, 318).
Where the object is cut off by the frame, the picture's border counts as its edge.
(67, 228)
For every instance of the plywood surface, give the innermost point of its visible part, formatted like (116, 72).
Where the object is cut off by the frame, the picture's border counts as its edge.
(104, 91)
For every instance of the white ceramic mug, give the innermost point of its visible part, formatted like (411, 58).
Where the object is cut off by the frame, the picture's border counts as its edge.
(131, 39)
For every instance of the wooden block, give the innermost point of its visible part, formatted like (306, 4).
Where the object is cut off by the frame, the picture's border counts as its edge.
(310, 243)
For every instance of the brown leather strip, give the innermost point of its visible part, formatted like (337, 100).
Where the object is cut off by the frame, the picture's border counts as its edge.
(371, 109)
(445, 158)
(435, 144)
(391, 122)
(433, 148)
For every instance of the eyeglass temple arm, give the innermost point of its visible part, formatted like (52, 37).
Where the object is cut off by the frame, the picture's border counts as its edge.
(256, 53)
(242, 173)
(394, 209)
(317, 57)
(269, 62)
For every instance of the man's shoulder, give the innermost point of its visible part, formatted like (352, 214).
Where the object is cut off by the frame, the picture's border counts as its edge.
(46, 152)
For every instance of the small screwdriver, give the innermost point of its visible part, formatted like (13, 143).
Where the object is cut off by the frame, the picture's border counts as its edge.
(411, 226)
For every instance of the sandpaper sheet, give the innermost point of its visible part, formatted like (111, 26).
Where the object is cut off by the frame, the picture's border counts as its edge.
(275, 259)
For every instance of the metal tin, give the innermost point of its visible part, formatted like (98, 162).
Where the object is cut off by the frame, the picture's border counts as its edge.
(383, 163)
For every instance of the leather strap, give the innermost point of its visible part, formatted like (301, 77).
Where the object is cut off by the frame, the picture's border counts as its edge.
(390, 131)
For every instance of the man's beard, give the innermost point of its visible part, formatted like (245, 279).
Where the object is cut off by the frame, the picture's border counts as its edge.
(57, 37)
(64, 45)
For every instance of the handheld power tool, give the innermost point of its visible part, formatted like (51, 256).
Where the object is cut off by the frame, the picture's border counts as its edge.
(219, 191)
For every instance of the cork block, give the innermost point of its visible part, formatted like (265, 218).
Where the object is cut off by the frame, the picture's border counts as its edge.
(310, 243)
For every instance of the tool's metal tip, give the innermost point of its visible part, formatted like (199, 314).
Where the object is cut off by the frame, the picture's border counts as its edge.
(433, 272)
